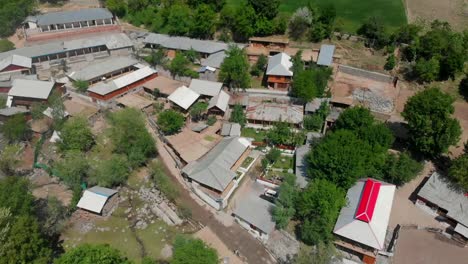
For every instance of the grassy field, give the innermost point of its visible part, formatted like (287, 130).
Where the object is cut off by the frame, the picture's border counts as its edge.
(352, 13)
(284, 162)
(257, 135)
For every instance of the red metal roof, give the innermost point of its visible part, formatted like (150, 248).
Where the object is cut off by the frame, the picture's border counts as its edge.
(369, 196)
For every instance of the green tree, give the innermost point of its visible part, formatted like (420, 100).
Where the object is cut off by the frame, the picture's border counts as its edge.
(406, 33)
(300, 22)
(72, 169)
(15, 129)
(238, 115)
(76, 135)
(280, 134)
(431, 128)
(130, 136)
(234, 70)
(426, 70)
(459, 171)
(260, 66)
(391, 62)
(9, 159)
(284, 205)
(192, 55)
(58, 109)
(197, 110)
(6, 45)
(318, 207)
(204, 22)
(217, 5)
(273, 155)
(463, 87)
(15, 194)
(179, 20)
(13, 13)
(179, 65)
(374, 30)
(81, 86)
(316, 120)
(311, 83)
(193, 251)
(157, 57)
(266, 8)
(92, 254)
(53, 217)
(243, 22)
(119, 8)
(5, 224)
(37, 110)
(400, 169)
(170, 121)
(110, 172)
(163, 181)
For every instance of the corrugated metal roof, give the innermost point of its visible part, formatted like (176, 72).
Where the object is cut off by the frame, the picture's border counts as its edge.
(221, 101)
(102, 191)
(184, 43)
(438, 190)
(31, 89)
(10, 111)
(71, 16)
(214, 60)
(280, 65)
(104, 88)
(214, 169)
(370, 233)
(204, 87)
(462, 230)
(275, 112)
(315, 104)
(95, 198)
(325, 57)
(231, 130)
(184, 97)
(17, 60)
(370, 193)
(102, 68)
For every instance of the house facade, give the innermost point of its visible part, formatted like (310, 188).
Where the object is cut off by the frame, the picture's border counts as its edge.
(279, 74)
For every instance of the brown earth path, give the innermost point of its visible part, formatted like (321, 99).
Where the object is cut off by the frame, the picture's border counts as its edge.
(234, 236)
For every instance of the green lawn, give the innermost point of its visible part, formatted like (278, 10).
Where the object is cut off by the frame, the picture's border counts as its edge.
(257, 135)
(247, 162)
(284, 162)
(352, 13)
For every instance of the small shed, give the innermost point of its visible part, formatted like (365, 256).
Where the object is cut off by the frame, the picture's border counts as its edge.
(94, 199)
(231, 130)
(325, 57)
(184, 97)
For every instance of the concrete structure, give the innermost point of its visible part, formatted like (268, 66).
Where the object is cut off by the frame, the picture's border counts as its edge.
(105, 69)
(205, 88)
(325, 57)
(215, 173)
(105, 91)
(95, 198)
(184, 97)
(219, 104)
(279, 72)
(443, 198)
(26, 92)
(231, 130)
(68, 23)
(266, 114)
(254, 213)
(83, 49)
(362, 224)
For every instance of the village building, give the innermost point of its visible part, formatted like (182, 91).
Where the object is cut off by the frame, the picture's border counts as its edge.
(279, 72)
(107, 90)
(219, 104)
(75, 50)
(94, 200)
(183, 97)
(274, 44)
(16, 64)
(230, 130)
(362, 225)
(254, 213)
(307, 56)
(26, 92)
(105, 69)
(69, 23)
(9, 112)
(214, 176)
(6, 80)
(314, 105)
(443, 199)
(164, 85)
(326, 55)
(266, 113)
(206, 89)
(135, 100)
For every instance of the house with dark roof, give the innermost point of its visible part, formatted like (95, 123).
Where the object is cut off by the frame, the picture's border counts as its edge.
(445, 199)
(362, 225)
(214, 176)
(279, 72)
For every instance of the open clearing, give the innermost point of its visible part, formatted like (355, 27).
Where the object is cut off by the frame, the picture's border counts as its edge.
(351, 13)
(453, 11)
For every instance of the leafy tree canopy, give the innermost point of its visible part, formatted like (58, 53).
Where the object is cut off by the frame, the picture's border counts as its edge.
(76, 135)
(198, 109)
(234, 70)
(432, 130)
(110, 172)
(374, 30)
(15, 128)
(13, 13)
(9, 159)
(459, 171)
(170, 121)
(73, 168)
(15, 194)
(91, 254)
(311, 83)
(238, 115)
(194, 251)
(6, 45)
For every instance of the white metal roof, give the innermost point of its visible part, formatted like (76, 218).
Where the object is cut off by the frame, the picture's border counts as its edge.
(280, 64)
(204, 87)
(370, 233)
(31, 88)
(92, 201)
(104, 88)
(17, 60)
(102, 68)
(221, 101)
(184, 97)
(325, 57)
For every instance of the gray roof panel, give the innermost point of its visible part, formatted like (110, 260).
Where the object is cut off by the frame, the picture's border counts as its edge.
(325, 57)
(31, 89)
(102, 68)
(71, 16)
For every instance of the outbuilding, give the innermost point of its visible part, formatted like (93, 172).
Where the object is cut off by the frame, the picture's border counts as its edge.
(94, 199)
(184, 97)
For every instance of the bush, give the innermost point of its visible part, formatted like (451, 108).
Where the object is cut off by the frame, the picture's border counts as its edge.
(111, 172)
(81, 86)
(238, 115)
(163, 182)
(391, 62)
(76, 135)
(400, 169)
(15, 129)
(170, 121)
(37, 110)
(211, 120)
(6, 45)
(9, 159)
(313, 122)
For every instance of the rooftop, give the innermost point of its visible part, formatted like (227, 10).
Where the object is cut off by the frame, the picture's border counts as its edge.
(275, 112)
(95, 198)
(440, 191)
(325, 57)
(134, 101)
(231, 130)
(102, 68)
(214, 169)
(70, 16)
(164, 84)
(280, 64)
(11, 111)
(214, 60)
(17, 60)
(204, 87)
(31, 88)
(315, 104)
(221, 101)
(270, 39)
(184, 97)
(365, 217)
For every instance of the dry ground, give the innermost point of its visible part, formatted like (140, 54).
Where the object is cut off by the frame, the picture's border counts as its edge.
(421, 247)
(453, 11)
(210, 238)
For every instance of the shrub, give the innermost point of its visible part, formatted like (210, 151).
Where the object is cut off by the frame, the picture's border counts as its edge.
(163, 182)
(170, 121)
